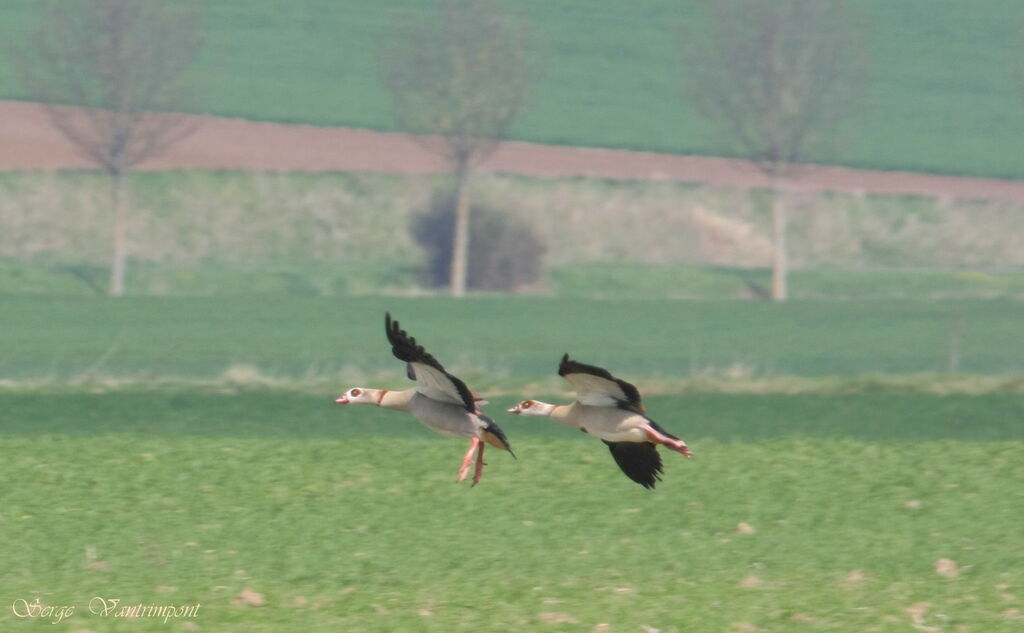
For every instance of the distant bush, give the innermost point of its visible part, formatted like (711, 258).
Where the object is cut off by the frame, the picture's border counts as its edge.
(505, 253)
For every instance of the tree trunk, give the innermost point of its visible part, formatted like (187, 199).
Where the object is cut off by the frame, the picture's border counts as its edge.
(779, 263)
(956, 336)
(120, 247)
(460, 239)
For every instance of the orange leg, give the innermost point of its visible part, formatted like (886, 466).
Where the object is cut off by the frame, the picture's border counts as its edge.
(479, 465)
(678, 446)
(468, 459)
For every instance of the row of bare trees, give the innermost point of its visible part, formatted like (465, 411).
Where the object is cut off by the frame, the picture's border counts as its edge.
(774, 76)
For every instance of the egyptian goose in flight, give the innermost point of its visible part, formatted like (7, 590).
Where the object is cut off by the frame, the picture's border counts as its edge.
(610, 409)
(440, 401)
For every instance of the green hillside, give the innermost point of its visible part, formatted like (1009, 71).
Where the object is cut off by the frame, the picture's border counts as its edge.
(941, 98)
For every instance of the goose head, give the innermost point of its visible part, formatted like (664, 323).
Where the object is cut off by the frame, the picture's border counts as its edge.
(358, 395)
(532, 407)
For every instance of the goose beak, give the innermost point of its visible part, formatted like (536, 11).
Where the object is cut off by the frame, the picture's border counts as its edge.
(514, 410)
(342, 400)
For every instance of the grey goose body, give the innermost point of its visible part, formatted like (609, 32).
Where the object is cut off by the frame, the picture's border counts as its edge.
(440, 401)
(610, 409)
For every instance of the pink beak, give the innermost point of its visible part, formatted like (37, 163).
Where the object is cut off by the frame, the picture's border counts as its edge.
(342, 400)
(514, 410)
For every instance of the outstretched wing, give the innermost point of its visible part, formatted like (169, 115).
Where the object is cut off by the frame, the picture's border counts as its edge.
(596, 386)
(640, 461)
(431, 378)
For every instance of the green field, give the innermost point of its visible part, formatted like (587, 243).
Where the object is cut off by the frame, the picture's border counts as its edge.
(52, 338)
(589, 281)
(942, 95)
(349, 520)
(186, 451)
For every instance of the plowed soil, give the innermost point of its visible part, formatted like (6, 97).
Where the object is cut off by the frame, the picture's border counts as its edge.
(28, 141)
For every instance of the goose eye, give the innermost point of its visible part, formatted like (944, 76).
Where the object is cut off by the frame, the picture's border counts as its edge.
(527, 404)
(356, 392)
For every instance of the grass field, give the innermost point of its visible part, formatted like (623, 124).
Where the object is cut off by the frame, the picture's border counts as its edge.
(798, 513)
(595, 280)
(608, 75)
(53, 338)
(129, 477)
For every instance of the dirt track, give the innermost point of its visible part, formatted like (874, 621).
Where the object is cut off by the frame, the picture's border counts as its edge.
(27, 141)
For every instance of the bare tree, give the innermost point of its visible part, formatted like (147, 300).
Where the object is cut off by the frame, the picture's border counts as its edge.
(458, 78)
(109, 74)
(1019, 63)
(776, 77)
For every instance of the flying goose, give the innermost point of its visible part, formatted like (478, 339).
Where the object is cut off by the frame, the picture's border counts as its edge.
(610, 409)
(440, 401)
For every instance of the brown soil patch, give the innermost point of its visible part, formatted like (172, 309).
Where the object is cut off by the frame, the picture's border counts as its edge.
(27, 141)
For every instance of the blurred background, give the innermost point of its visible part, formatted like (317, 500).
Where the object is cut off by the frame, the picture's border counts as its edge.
(282, 185)
(796, 225)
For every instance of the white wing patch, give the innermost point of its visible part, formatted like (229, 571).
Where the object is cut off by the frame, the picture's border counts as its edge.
(435, 384)
(596, 391)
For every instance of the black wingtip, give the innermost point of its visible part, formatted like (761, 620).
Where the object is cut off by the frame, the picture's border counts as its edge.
(563, 365)
(390, 325)
(405, 348)
(639, 461)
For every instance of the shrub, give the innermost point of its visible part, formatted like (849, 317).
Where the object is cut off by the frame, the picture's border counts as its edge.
(505, 254)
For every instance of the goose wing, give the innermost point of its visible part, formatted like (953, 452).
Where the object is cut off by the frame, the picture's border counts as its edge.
(640, 461)
(431, 378)
(596, 386)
